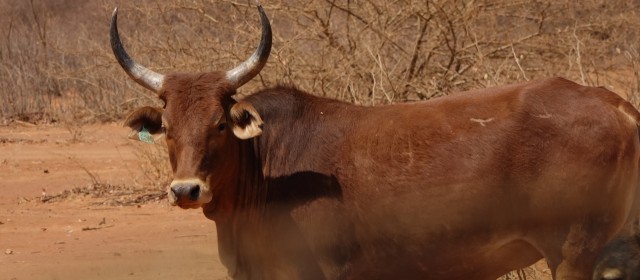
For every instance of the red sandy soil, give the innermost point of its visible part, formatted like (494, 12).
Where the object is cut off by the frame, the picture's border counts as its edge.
(78, 237)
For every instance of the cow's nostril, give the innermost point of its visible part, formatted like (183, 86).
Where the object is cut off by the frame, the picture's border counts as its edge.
(186, 192)
(194, 193)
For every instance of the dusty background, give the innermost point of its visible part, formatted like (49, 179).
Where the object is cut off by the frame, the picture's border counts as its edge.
(78, 200)
(68, 211)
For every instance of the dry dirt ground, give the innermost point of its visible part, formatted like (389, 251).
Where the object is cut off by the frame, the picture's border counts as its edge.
(88, 234)
(86, 237)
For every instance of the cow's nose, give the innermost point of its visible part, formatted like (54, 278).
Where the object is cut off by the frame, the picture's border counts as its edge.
(186, 191)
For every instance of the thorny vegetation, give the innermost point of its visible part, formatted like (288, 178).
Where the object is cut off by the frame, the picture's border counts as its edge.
(57, 64)
(107, 194)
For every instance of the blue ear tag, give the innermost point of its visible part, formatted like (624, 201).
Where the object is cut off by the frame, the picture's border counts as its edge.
(145, 136)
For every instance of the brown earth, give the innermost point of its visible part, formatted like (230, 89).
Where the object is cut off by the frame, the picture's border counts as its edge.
(86, 237)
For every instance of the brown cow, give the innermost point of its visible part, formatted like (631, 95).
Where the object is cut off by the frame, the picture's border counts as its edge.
(468, 186)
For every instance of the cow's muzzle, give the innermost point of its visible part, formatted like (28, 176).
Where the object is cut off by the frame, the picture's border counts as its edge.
(190, 193)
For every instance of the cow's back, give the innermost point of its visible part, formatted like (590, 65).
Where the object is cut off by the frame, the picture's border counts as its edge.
(448, 180)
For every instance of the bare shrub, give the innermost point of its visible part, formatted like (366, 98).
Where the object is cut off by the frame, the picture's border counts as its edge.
(154, 160)
(56, 57)
(107, 194)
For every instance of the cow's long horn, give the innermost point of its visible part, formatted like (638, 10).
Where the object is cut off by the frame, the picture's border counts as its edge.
(251, 67)
(137, 72)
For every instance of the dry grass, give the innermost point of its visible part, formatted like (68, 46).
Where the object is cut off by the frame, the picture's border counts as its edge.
(151, 187)
(154, 160)
(107, 194)
(57, 66)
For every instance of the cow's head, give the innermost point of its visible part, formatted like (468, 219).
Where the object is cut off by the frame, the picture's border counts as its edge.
(202, 123)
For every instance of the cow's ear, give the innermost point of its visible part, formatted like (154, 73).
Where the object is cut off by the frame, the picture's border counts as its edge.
(144, 122)
(245, 120)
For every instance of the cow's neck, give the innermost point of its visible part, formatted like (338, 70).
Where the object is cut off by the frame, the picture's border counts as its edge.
(239, 190)
(273, 178)
(238, 207)
(301, 132)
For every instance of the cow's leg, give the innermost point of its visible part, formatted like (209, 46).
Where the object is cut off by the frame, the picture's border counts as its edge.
(571, 254)
(575, 268)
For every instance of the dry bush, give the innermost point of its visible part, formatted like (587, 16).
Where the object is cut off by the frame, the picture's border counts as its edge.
(57, 63)
(154, 160)
(106, 194)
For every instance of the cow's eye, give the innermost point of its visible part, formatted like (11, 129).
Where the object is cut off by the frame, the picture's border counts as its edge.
(222, 126)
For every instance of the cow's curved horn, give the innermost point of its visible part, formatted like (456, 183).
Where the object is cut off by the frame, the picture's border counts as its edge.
(137, 72)
(251, 67)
